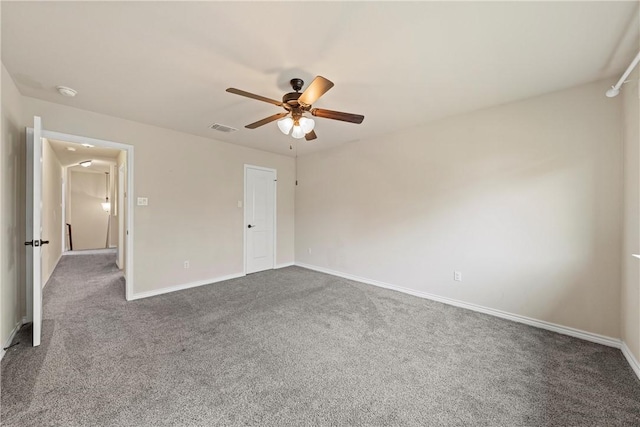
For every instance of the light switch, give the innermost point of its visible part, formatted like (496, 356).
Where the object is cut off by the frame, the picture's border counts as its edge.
(143, 201)
(239, 203)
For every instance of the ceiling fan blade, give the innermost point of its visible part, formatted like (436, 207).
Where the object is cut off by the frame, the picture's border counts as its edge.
(267, 120)
(253, 96)
(337, 115)
(311, 135)
(318, 87)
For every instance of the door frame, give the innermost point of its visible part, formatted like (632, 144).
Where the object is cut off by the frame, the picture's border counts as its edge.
(130, 232)
(244, 214)
(121, 233)
(63, 239)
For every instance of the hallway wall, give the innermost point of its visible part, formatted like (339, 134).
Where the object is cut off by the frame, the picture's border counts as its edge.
(51, 210)
(88, 220)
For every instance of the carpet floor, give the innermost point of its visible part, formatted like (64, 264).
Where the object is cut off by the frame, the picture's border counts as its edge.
(293, 347)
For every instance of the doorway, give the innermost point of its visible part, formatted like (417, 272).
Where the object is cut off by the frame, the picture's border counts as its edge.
(259, 218)
(90, 196)
(121, 205)
(42, 230)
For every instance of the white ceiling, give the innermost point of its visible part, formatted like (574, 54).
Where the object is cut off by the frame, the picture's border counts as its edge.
(101, 158)
(400, 64)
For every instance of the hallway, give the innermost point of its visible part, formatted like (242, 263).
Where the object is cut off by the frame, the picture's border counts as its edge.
(84, 294)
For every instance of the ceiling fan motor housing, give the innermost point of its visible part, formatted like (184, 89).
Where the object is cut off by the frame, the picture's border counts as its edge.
(296, 84)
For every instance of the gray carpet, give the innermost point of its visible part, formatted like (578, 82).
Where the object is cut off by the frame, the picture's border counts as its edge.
(296, 347)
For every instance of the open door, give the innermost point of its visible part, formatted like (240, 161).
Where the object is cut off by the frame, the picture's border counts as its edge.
(34, 228)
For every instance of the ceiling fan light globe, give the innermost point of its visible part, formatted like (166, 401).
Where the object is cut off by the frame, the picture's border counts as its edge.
(297, 132)
(307, 124)
(285, 125)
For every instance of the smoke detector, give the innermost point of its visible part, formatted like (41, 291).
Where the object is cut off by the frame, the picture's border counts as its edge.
(67, 91)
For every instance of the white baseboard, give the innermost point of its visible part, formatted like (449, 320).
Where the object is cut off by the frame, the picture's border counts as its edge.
(565, 330)
(635, 365)
(91, 251)
(284, 265)
(183, 286)
(12, 335)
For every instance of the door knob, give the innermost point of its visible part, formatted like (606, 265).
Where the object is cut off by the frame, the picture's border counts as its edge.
(249, 226)
(36, 243)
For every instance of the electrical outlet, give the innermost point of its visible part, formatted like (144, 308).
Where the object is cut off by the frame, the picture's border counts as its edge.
(457, 276)
(143, 201)
(309, 251)
(186, 264)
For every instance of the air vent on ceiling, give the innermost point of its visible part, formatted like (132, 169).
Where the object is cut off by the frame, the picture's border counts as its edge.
(223, 128)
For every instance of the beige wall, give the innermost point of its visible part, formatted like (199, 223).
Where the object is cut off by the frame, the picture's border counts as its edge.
(51, 210)
(193, 185)
(524, 199)
(12, 199)
(88, 220)
(630, 296)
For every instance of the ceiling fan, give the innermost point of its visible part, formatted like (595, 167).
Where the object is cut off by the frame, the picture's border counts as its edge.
(296, 104)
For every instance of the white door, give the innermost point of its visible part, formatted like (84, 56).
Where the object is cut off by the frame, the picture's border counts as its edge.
(34, 228)
(260, 216)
